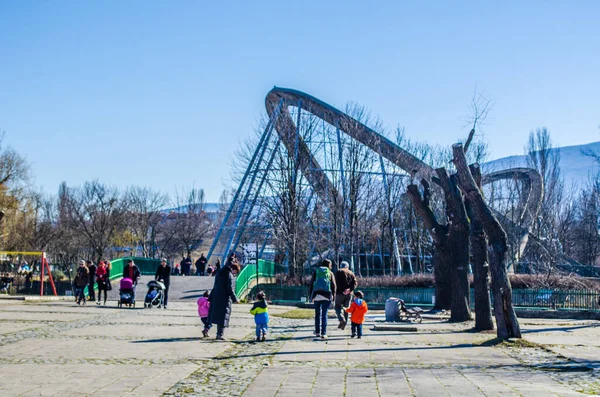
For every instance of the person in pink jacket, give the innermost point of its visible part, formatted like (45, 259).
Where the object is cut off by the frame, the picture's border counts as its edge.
(203, 309)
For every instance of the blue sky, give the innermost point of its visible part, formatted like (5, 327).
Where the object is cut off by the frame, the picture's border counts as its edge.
(161, 93)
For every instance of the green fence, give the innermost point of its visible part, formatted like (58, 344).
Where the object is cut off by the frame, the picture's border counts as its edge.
(249, 273)
(538, 299)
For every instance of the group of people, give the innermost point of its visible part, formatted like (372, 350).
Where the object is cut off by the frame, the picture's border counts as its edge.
(340, 288)
(214, 307)
(87, 275)
(202, 268)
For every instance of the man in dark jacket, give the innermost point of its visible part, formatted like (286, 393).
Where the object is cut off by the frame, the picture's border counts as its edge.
(346, 284)
(186, 266)
(92, 269)
(322, 290)
(163, 274)
(201, 265)
(222, 296)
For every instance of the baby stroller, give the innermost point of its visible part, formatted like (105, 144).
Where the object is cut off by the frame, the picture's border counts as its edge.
(155, 295)
(126, 293)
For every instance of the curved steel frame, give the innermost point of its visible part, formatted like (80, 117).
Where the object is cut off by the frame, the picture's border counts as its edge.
(308, 164)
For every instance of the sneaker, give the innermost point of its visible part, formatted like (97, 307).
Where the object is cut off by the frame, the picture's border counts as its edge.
(317, 334)
(98, 303)
(353, 335)
(264, 338)
(323, 337)
(358, 337)
(343, 325)
(220, 337)
(258, 339)
(164, 307)
(205, 333)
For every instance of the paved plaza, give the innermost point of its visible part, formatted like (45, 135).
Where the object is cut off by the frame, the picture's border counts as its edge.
(59, 348)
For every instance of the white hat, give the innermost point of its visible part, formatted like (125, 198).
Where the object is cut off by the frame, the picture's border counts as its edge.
(344, 264)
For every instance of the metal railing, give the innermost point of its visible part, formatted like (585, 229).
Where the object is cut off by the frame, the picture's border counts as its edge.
(250, 272)
(538, 299)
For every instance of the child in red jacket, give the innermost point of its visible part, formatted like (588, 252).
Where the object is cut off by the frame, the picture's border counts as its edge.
(357, 310)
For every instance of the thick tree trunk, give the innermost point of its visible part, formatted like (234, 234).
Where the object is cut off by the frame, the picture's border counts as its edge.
(458, 241)
(442, 258)
(506, 319)
(442, 274)
(479, 261)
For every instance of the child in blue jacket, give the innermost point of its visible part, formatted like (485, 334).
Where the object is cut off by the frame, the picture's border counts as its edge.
(261, 316)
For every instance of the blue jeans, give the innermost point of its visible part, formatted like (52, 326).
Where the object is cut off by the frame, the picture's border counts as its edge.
(356, 329)
(321, 308)
(261, 329)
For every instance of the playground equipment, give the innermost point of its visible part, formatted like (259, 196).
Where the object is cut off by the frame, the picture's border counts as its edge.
(44, 266)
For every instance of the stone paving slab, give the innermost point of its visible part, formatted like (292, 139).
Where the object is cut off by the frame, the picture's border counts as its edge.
(8, 327)
(100, 351)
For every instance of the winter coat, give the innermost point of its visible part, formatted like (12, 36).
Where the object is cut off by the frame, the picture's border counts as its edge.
(345, 279)
(203, 306)
(164, 274)
(260, 312)
(133, 273)
(326, 294)
(222, 296)
(201, 264)
(92, 272)
(102, 278)
(358, 309)
(82, 277)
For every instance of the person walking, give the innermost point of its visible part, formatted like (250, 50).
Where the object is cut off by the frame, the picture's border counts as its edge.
(163, 274)
(132, 272)
(222, 297)
(260, 311)
(322, 291)
(357, 310)
(346, 283)
(201, 265)
(217, 267)
(102, 279)
(92, 272)
(82, 279)
(203, 312)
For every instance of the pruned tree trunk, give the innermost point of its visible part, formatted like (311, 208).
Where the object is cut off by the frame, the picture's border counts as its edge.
(506, 319)
(458, 237)
(441, 270)
(479, 261)
(441, 248)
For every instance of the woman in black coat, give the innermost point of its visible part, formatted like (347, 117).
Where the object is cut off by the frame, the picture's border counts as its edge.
(222, 296)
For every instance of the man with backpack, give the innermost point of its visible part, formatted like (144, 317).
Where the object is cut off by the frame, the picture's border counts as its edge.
(346, 283)
(322, 291)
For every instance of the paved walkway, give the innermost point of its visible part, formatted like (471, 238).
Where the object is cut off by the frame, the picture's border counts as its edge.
(183, 288)
(63, 349)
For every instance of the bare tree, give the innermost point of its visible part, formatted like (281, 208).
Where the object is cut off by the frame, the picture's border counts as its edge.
(95, 212)
(143, 215)
(506, 319)
(190, 223)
